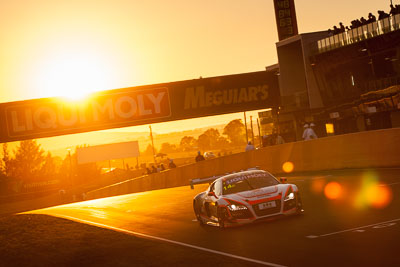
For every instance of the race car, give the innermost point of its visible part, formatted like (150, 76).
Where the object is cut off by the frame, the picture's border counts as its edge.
(246, 197)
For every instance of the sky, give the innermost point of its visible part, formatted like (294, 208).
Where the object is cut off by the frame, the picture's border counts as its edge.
(74, 47)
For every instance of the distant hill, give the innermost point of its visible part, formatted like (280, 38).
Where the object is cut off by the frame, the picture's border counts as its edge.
(175, 137)
(58, 145)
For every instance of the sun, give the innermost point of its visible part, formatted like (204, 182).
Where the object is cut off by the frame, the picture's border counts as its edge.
(74, 73)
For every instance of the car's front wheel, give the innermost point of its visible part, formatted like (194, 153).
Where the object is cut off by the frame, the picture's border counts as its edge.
(221, 214)
(299, 207)
(196, 209)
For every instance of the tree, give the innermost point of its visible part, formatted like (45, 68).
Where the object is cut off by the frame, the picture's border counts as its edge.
(65, 172)
(168, 148)
(74, 174)
(204, 142)
(213, 135)
(188, 143)
(3, 177)
(235, 132)
(3, 183)
(6, 166)
(222, 143)
(210, 140)
(149, 151)
(49, 168)
(29, 158)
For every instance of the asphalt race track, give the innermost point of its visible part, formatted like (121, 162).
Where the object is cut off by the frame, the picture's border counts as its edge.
(352, 218)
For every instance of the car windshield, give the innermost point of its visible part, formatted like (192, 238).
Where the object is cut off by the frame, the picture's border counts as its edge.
(247, 182)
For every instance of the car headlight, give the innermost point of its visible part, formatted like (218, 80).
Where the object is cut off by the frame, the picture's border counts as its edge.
(236, 207)
(289, 197)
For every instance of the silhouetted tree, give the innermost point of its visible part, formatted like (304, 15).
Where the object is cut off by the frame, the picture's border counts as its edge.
(3, 183)
(149, 150)
(65, 172)
(204, 142)
(168, 148)
(49, 168)
(29, 160)
(235, 132)
(188, 143)
(211, 140)
(6, 161)
(3, 177)
(222, 143)
(213, 135)
(72, 173)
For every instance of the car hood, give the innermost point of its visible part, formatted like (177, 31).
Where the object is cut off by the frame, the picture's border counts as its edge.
(259, 192)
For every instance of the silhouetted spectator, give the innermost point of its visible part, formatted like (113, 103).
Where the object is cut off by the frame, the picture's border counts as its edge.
(393, 10)
(264, 140)
(309, 133)
(249, 147)
(363, 21)
(199, 157)
(342, 28)
(162, 168)
(278, 138)
(382, 14)
(335, 30)
(148, 171)
(153, 169)
(171, 164)
(371, 18)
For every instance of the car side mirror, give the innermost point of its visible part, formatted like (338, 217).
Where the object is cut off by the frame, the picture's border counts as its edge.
(212, 194)
(283, 180)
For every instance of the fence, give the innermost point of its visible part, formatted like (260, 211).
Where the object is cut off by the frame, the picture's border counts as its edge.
(371, 149)
(361, 33)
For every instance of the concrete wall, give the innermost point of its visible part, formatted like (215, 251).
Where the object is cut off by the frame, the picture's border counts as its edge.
(372, 149)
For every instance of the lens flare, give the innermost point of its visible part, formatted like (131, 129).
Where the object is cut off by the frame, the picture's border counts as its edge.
(317, 186)
(372, 194)
(333, 190)
(288, 167)
(379, 196)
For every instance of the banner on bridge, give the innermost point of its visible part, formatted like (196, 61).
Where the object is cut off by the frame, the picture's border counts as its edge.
(138, 105)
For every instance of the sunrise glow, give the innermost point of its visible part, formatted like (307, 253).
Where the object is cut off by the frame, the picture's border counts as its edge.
(74, 73)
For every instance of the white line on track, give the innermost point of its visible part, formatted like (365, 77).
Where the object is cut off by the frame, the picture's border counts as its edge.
(168, 241)
(352, 229)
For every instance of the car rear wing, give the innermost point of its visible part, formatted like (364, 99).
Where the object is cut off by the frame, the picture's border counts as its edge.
(213, 178)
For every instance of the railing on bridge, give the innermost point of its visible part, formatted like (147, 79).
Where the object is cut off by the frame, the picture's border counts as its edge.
(379, 84)
(361, 33)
